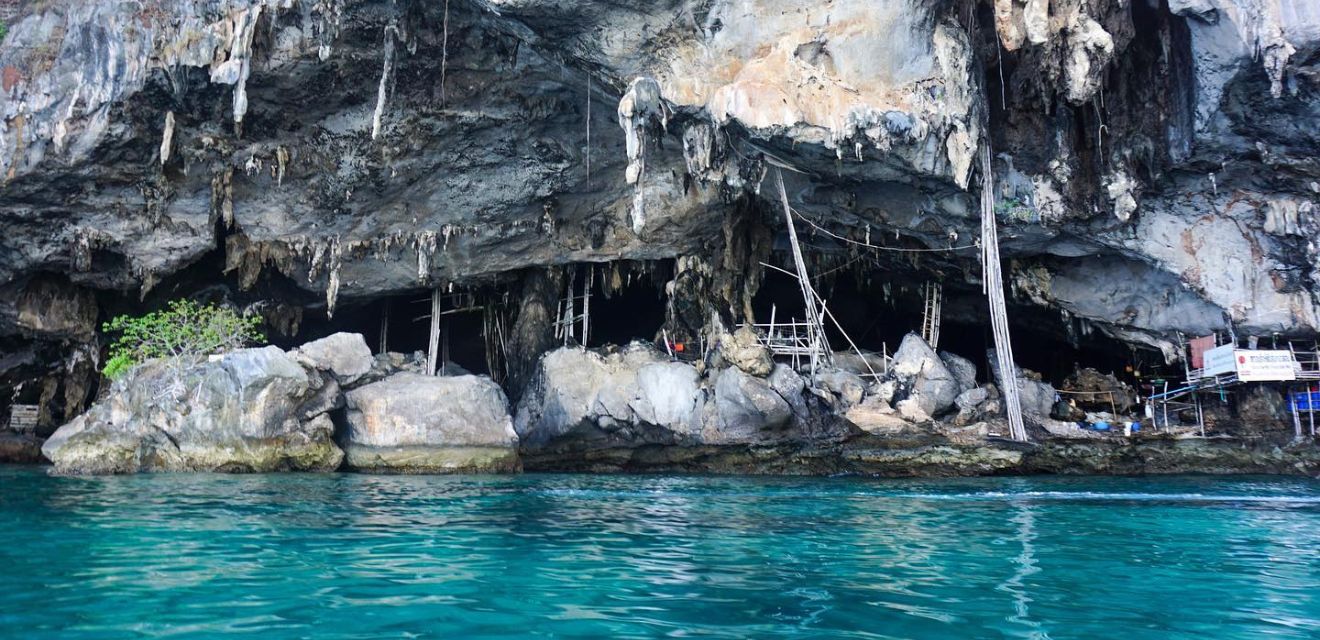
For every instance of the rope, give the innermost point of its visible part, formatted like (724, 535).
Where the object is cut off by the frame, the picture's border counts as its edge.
(875, 246)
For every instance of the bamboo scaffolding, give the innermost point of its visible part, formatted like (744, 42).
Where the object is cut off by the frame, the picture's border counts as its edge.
(816, 333)
(793, 326)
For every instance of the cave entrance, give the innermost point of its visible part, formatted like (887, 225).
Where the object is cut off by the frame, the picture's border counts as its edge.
(402, 323)
(626, 302)
(878, 308)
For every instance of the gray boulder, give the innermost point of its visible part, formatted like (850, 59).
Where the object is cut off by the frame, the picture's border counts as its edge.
(847, 387)
(1037, 397)
(574, 389)
(414, 423)
(669, 394)
(931, 386)
(962, 369)
(862, 365)
(251, 410)
(343, 355)
(973, 405)
(745, 408)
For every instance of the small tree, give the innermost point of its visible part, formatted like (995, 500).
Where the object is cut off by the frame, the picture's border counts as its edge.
(182, 334)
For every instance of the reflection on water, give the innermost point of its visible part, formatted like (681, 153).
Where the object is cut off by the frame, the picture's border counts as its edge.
(351, 556)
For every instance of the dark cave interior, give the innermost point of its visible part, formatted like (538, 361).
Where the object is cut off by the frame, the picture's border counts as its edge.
(876, 305)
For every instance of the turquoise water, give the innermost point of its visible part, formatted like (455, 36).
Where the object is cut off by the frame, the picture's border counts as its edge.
(353, 556)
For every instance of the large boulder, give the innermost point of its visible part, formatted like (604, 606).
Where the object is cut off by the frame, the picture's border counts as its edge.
(343, 355)
(962, 369)
(747, 409)
(1037, 397)
(250, 410)
(669, 393)
(415, 423)
(927, 387)
(867, 364)
(848, 388)
(20, 448)
(575, 390)
(743, 349)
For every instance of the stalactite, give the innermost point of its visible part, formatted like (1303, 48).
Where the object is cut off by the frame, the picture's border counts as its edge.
(426, 245)
(444, 55)
(282, 163)
(167, 138)
(332, 283)
(391, 32)
(331, 12)
(641, 112)
(238, 67)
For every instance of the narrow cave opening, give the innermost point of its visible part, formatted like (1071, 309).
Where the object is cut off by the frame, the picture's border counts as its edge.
(624, 309)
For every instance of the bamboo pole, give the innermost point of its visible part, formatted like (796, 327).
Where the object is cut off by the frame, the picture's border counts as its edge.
(433, 344)
(586, 303)
(815, 329)
(834, 320)
(993, 286)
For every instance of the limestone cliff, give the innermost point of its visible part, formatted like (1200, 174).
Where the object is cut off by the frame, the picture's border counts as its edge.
(1155, 160)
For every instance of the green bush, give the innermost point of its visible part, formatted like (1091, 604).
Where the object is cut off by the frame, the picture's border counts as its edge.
(1017, 210)
(183, 332)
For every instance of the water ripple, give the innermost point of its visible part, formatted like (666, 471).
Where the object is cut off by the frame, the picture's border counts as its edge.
(344, 556)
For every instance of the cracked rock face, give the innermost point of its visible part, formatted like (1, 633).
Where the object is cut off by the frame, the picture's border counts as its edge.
(1155, 168)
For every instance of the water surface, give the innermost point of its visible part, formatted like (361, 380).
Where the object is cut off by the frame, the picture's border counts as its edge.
(354, 556)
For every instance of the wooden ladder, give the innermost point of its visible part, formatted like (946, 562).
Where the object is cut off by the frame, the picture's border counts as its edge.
(930, 317)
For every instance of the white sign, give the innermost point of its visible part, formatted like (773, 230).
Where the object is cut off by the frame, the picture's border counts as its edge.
(1257, 366)
(1219, 360)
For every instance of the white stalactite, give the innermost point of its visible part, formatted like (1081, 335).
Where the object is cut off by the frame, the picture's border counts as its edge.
(167, 138)
(382, 90)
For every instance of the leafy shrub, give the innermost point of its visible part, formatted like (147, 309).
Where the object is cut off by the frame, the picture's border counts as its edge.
(1017, 210)
(184, 332)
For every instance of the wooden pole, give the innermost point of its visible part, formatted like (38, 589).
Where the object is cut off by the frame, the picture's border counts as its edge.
(1200, 418)
(385, 327)
(444, 347)
(1297, 421)
(586, 303)
(993, 286)
(433, 344)
(815, 329)
(826, 312)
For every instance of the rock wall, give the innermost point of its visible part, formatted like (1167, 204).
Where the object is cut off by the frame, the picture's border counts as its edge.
(1155, 166)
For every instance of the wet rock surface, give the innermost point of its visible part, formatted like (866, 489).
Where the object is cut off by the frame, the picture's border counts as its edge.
(245, 411)
(414, 423)
(16, 448)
